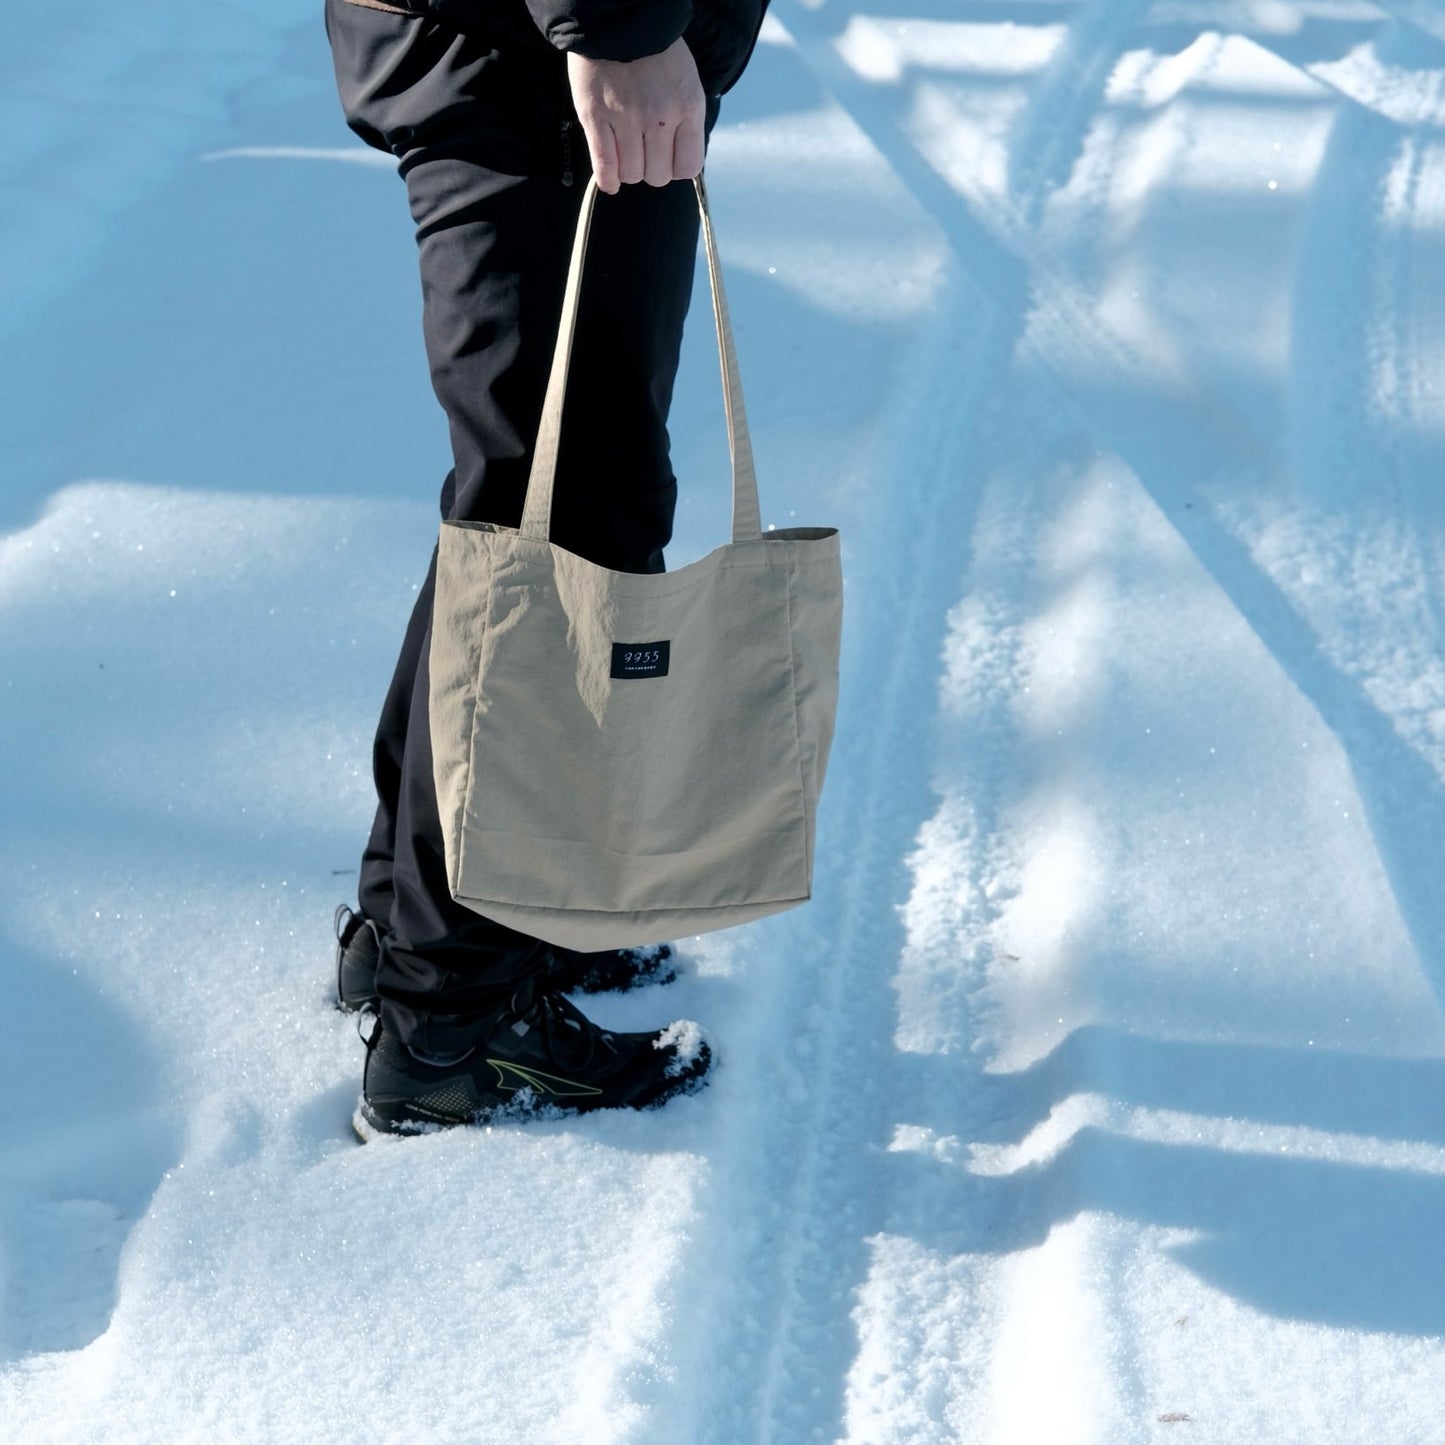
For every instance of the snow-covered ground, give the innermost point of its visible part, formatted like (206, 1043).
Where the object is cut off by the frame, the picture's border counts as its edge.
(1099, 1094)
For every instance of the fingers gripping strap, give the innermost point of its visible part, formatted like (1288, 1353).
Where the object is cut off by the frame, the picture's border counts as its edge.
(537, 512)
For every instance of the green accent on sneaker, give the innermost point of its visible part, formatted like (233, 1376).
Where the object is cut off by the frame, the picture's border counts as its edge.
(540, 1083)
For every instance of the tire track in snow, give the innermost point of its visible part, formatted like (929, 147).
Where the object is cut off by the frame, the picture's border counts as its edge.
(1054, 128)
(824, 1051)
(1365, 451)
(952, 1265)
(949, 976)
(1047, 143)
(784, 1324)
(1380, 429)
(1414, 293)
(792, 1284)
(1095, 1370)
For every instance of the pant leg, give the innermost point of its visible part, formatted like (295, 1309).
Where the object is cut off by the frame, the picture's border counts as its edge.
(402, 79)
(374, 887)
(494, 227)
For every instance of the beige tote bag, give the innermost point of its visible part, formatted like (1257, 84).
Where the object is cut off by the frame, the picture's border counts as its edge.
(623, 759)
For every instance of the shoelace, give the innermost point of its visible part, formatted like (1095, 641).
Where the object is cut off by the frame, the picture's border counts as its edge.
(550, 1012)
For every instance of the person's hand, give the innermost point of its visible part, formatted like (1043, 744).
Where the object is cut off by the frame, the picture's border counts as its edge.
(644, 119)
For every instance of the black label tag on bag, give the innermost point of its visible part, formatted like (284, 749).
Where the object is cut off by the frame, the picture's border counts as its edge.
(640, 659)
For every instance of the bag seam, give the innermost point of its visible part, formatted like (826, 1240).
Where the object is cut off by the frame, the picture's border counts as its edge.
(476, 695)
(798, 733)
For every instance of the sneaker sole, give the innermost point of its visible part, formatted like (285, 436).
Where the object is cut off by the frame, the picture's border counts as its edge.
(368, 1127)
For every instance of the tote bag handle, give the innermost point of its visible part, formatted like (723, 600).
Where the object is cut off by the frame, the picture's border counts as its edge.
(537, 512)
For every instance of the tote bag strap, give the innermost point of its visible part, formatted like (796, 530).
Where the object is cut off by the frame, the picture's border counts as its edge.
(537, 512)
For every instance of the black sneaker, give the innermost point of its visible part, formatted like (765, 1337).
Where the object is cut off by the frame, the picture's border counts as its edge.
(538, 1055)
(611, 971)
(358, 949)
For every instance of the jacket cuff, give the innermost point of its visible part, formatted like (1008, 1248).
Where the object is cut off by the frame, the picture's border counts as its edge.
(626, 31)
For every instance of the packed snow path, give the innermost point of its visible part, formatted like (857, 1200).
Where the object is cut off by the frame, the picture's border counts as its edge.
(1099, 1094)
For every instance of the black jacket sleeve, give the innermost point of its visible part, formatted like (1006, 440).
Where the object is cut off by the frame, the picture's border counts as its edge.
(611, 29)
(720, 33)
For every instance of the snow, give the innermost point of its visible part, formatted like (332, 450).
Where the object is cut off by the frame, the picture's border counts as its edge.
(1096, 1096)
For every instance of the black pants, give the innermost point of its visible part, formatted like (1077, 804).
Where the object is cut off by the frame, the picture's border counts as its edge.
(494, 162)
